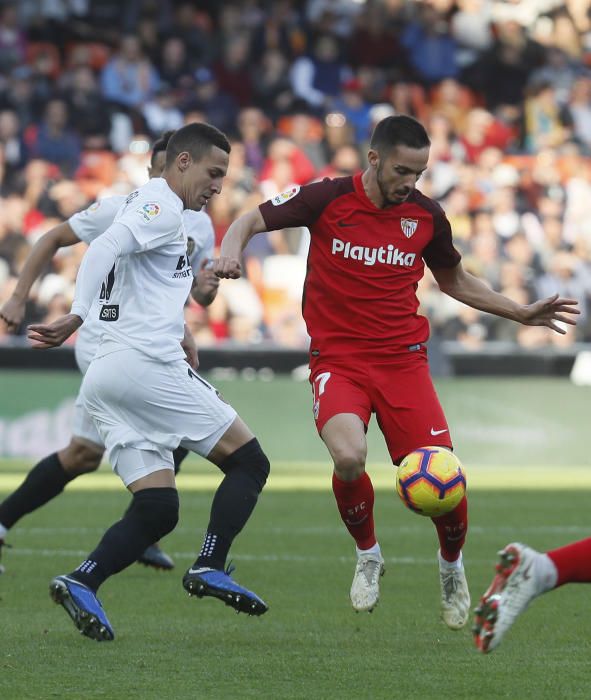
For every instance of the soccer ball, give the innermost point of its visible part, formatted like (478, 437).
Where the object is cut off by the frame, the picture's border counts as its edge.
(431, 481)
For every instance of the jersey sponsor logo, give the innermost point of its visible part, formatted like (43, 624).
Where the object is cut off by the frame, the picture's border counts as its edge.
(149, 211)
(109, 312)
(346, 224)
(285, 196)
(409, 226)
(183, 268)
(131, 196)
(388, 255)
(438, 432)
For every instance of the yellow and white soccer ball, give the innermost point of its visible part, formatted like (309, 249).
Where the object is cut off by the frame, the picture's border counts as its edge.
(431, 481)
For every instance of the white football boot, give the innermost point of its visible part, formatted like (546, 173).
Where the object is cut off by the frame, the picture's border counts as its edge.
(455, 596)
(514, 586)
(365, 589)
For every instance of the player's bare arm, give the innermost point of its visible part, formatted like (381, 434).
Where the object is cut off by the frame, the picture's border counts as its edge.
(60, 236)
(237, 236)
(205, 284)
(190, 347)
(461, 285)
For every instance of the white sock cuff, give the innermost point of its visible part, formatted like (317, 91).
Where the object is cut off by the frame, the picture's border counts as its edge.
(372, 550)
(3, 531)
(457, 564)
(547, 573)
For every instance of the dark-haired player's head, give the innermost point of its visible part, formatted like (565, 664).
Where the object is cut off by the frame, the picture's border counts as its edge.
(196, 162)
(398, 155)
(158, 157)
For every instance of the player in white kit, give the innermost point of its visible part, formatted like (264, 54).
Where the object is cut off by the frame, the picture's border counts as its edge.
(143, 396)
(83, 454)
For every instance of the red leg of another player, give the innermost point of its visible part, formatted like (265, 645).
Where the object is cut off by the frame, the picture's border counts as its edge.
(573, 562)
(451, 530)
(355, 503)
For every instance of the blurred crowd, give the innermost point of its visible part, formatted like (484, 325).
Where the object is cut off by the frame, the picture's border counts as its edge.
(503, 87)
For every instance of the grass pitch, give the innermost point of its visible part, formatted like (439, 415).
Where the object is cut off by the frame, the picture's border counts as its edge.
(528, 476)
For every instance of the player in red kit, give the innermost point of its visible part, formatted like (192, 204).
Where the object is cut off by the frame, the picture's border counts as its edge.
(523, 574)
(371, 235)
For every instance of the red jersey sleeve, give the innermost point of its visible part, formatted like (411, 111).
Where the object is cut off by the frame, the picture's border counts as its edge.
(302, 206)
(440, 252)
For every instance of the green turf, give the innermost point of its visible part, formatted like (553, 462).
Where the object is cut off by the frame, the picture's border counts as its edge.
(296, 554)
(310, 644)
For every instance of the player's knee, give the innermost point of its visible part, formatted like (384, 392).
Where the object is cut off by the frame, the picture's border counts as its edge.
(349, 463)
(157, 509)
(249, 458)
(80, 458)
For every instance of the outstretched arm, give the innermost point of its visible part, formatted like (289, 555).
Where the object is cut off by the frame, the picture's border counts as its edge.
(235, 240)
(96, 264)
(470, 290)
(13, 310)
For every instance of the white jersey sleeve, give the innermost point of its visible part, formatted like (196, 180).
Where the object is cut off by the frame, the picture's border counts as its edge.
(200, 237)
(96, 219)
(152, 221)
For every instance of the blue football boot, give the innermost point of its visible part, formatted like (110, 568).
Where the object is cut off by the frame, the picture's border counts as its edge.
(204, 581)
(83, 607)
(153, 556)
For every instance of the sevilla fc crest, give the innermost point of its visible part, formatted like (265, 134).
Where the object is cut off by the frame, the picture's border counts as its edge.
(409, 226)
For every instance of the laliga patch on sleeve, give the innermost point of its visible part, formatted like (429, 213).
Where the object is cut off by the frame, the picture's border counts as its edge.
(285, 196)
(92, 208)
(149, 211)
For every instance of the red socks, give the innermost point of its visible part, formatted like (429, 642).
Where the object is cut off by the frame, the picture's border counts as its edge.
(451, 530)
(573, 562)
(355, 503)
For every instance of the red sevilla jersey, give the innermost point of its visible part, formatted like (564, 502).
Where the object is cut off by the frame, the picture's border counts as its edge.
(364, 264)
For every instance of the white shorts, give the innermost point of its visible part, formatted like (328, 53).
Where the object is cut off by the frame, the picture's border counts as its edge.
(83, 424)
(140, 404)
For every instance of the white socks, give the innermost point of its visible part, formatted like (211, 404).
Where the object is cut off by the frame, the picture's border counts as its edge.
(444, 564)
(372, 550)
(546, 573)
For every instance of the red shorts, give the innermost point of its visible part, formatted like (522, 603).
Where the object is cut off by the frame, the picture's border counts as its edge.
(400, 392)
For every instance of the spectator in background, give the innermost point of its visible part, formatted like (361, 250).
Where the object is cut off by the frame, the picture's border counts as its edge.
(129, 79)
(232, 70)
(430, 47)
(346, 160)
(375, 41)
(271, 85)
(173, 65)
(194, 28)
(252, 129)
(579, 110)
(13, 147)
(54, 140)
(317, 77)
(546, 124)
(20, 94)
(88, 108)
(356, 110)
(161, 112)
(13, 42)
(217, 107)
(567, 274)
(471, 29)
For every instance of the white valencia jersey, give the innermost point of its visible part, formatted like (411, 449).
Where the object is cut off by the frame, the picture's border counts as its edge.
(92, 222)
